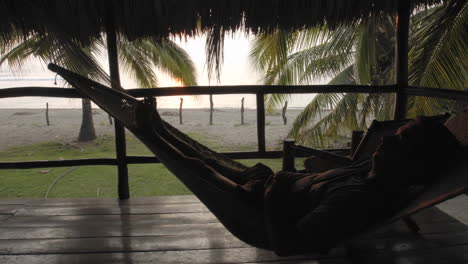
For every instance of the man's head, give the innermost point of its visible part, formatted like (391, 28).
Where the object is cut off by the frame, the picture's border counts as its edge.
(417, 153)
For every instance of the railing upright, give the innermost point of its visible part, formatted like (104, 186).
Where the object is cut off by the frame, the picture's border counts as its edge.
(120, 142)
(261, 122)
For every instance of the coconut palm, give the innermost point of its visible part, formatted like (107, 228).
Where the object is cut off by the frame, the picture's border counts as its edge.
(364, 54)
(139, 59)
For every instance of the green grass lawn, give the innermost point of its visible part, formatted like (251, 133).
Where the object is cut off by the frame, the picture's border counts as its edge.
(93, 181)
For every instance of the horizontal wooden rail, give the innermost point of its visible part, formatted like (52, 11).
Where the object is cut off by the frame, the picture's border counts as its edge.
(129, 159)
(243, 89)
(56, 163)
(201, 90)
(438, 93)
(134, 160)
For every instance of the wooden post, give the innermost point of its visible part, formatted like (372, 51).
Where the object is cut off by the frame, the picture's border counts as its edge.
(401, 58)
(211, 109)
(242, 111)
(120, 144)
(47, 114)
(288, 155)
(261, 122)
(180, 110)
(285, 119)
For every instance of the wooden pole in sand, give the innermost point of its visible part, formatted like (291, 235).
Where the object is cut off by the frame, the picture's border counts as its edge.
(242, 111)
(120, 145)
(211, 109)
(180, 110)
(285, 119)
(47, 114)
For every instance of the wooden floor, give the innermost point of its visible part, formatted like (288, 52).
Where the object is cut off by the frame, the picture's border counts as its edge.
(179, 229)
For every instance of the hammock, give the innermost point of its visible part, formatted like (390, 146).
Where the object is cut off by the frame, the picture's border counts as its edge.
(214, 178)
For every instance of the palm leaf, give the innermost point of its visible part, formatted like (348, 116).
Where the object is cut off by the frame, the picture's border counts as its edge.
(439, 48)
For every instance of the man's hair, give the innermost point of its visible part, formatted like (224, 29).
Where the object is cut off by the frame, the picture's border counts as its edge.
(435, 149)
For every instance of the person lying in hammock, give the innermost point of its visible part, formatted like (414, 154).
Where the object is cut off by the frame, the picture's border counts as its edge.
(289, 213)
(298, 213)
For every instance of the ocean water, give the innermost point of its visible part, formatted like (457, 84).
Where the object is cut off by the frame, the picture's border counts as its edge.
(48, 80)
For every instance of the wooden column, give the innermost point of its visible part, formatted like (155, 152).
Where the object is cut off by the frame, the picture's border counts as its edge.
(120, 144)
(261, 122)
(288, 155)
(401, 58)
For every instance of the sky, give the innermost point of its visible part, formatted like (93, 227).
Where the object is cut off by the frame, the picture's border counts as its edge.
(237, 70)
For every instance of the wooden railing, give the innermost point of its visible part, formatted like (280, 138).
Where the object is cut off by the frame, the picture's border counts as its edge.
(259, 91)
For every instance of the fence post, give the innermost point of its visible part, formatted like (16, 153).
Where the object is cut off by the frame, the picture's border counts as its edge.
(211, 109)
(180, 110)
(242, 111)
(285, 119)
(261, 122)
(288, 155)
(120, 144)
(47, 114)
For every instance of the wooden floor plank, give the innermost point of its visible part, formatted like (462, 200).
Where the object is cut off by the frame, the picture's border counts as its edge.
(9, 209)
(15, 201)
(181, 230)
(116, 202)
(232, 255)
(447, 255)
(108, 220)
(431, 215)
(4, 217)
(201, 239)
(116, 210)
(460, 237)
(308, 261)
(119, 244)
(103, 230)
(432, 228)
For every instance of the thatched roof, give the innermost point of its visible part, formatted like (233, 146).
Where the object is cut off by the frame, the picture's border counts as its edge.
(85, 19)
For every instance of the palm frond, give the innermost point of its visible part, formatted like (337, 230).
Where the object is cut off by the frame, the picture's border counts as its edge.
(439, 48)
(66, 53)
(175, 61)
(365, 58)
(133, 56)
(341, 119)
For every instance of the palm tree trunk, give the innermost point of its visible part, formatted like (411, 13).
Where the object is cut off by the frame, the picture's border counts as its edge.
(87, 132)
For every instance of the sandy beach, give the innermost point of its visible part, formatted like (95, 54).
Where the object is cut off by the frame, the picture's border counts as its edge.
(28, 126)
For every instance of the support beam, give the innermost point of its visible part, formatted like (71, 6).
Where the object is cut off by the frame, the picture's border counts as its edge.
(120, 145)
(288, 155)
(261, 122)
(401, 58)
